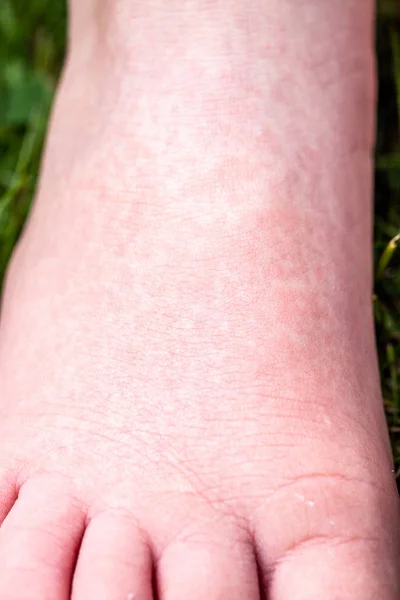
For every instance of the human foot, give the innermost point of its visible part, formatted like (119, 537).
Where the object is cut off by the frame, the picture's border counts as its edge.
(189, 396)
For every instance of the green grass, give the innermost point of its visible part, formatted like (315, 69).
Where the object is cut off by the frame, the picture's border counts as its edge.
(32, 37)
(387, 216)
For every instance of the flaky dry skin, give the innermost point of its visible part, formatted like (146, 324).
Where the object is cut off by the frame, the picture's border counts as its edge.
(183, 394)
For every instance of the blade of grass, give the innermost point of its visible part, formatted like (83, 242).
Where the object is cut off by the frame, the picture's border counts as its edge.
(392, 362)
(386, 162)
(27, 150)
(387, 255)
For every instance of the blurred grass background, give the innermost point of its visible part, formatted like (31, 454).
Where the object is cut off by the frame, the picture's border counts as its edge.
(32, 44)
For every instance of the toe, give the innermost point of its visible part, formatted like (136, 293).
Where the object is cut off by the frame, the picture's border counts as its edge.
(349, 569)
(330, 541)
(39, 541)
(114, 560)
(8, 494)
(208, 565)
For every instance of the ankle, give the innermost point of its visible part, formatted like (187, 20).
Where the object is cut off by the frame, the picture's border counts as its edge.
(227, 27)
(230, 59)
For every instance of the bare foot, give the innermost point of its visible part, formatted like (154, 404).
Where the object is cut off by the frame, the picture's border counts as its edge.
(190, 404)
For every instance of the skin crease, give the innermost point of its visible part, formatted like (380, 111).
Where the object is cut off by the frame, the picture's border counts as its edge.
(189, 394)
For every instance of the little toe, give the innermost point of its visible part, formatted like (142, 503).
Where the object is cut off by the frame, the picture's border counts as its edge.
(39, 542)
(208, 565)
(114, 560)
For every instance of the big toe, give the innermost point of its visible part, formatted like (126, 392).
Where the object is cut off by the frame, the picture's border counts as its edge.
(336, 569)
(332, 538)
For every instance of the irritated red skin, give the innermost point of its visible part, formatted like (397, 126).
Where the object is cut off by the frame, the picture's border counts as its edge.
(187, 320)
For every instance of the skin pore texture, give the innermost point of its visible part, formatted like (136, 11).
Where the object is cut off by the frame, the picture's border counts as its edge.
(189, 394)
